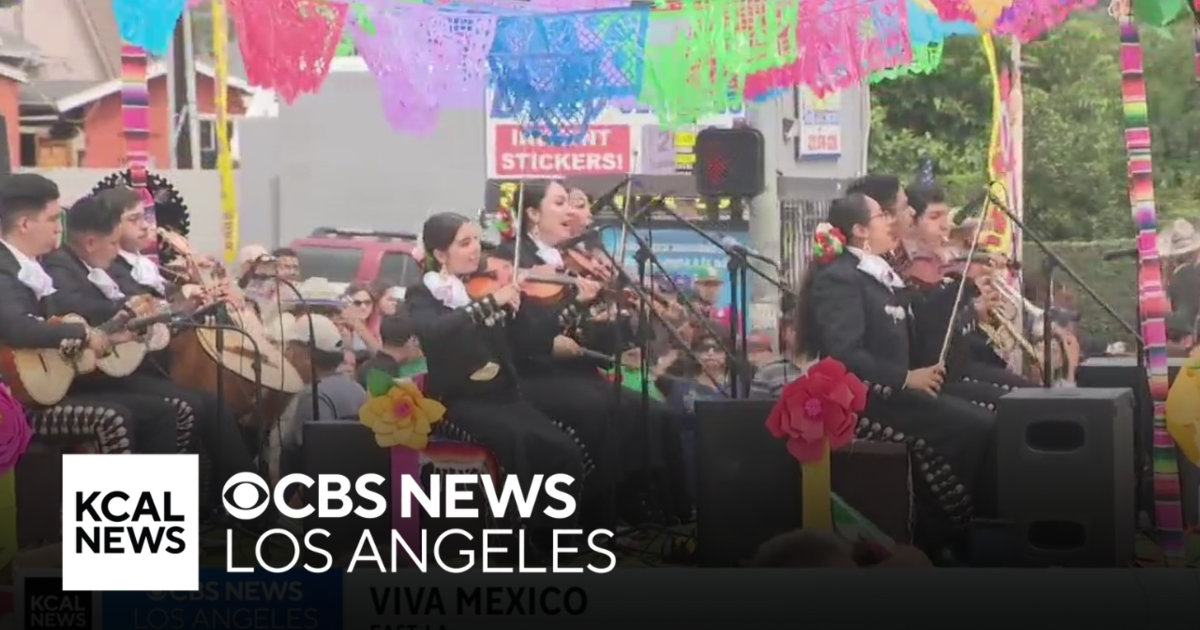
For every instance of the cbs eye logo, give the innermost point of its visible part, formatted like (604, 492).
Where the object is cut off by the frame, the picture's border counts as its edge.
(246, 496)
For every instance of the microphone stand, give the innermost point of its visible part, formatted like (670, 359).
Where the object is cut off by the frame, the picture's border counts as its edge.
(684, 300)
(739, 290)
(1052, 263)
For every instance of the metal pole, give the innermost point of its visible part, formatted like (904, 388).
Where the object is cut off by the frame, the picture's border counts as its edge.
(175, 83)
(766, 225)
(189, 67)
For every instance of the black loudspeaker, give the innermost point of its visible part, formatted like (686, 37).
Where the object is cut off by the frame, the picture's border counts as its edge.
(345, 448)
(729, 162)
(5, 150)
(1124, 372)
(1064, 462)
(748, 487)
(39, 496)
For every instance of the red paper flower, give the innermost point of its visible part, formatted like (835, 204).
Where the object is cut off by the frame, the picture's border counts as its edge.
(821, 405)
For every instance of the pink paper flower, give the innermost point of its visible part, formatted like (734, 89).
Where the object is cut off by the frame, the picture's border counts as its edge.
(14, 431)
(821, 405)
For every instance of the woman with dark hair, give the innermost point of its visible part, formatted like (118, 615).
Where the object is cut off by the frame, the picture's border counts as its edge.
(855, 308)
(565, 381)
(472, 364)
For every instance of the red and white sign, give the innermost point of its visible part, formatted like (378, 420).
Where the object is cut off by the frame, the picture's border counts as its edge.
(607, 149)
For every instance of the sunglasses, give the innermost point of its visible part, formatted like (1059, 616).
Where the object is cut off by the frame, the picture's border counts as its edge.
(360, 302)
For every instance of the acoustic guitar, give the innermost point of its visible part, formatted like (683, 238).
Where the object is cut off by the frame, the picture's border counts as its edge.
(124, 359)
(44, 376)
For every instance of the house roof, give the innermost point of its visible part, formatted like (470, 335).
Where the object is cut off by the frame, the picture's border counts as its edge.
(13, 46)
(47, 93)
(64, 96)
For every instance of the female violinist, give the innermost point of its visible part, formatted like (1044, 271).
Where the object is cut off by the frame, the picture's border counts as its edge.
(853, 307)
(471, 366)
(563, 382)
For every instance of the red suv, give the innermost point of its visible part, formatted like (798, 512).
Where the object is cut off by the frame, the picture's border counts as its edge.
(359, 256)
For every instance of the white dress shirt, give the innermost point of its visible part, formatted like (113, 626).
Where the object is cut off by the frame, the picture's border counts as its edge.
(145, 272)
(32, 274)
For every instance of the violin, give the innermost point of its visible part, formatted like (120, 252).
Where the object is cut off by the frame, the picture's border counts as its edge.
(588, 265)
(536, 284)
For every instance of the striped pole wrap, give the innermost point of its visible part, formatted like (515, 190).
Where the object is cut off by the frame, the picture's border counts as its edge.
(1152, 301)
(135, 114)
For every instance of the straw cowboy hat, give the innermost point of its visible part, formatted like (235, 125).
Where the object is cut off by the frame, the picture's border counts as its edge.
(1178, 239)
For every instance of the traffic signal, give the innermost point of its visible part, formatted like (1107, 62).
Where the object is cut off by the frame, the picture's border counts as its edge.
(729, 162)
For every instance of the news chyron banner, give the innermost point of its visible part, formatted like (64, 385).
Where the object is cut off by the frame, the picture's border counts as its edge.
(630, 599)
(622, 132)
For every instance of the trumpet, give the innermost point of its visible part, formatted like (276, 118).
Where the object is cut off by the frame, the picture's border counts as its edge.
(1005, 329)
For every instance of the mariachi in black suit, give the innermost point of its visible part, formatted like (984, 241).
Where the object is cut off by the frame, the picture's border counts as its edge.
(854, 315)
(115, 423)
(223, 441)
(574, 388)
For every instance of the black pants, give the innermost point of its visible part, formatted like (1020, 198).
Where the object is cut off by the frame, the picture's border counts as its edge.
(639, 450)
(952, 445)
(218, 430)
(117, 423)
(985, 384)
(524, 441)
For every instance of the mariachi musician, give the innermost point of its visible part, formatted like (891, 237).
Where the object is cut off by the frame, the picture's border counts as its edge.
(652, 457)
(118, 421)
(929, 268)
(99, 227)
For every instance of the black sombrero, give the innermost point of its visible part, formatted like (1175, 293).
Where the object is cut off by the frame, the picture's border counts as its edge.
(170, 211)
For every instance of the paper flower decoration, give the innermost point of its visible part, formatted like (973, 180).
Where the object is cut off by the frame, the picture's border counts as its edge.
(14, 431)
(398, 413)
(821, 406)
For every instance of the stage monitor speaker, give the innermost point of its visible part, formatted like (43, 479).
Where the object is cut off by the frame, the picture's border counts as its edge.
(1124, 372)
(748, 487)
(39, 495)
(5, 150)
(1064, 466)
(729, 162)
(347, 448)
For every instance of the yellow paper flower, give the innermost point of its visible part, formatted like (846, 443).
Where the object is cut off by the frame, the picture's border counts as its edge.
(402, 417)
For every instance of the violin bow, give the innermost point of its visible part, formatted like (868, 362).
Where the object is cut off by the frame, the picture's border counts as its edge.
(962, 285)
(518, 212)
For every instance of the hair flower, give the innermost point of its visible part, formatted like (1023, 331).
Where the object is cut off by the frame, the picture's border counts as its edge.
(828, 243)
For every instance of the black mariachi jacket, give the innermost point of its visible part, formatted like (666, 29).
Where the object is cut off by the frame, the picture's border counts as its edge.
(857, 320)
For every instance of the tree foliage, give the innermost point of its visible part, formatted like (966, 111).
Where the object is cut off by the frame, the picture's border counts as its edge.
(1075, 161)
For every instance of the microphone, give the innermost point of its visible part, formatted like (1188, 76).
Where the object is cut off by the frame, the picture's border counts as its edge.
(732, 245)
(591, 234)
(1117, 254)
(598, 357)
(252, 272)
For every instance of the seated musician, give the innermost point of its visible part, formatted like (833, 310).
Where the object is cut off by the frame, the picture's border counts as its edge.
(98, 228)
(562, 382)
(472, 365)
(854, 308)
(120, 422)
(971, 371)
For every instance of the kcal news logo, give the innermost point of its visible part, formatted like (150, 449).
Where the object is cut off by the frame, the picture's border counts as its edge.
(131, 523)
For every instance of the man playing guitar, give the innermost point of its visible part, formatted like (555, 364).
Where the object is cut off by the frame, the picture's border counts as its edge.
(99, 227)
(119, 422)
